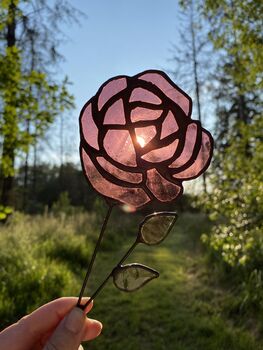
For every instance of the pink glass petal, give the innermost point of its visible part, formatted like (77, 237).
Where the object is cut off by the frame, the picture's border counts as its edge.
(135, 197)
(119, 146)
(145, 135)
(140, 113)
(187, 152)
(118, 173)
(140, 94)
(89, 128)
(161, 154)
(201, 161)
(111, 89)
(174, 94)
(162, 189)
(115, 114)
(169, 125)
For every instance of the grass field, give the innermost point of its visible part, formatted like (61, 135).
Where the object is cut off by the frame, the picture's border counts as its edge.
(184, 309)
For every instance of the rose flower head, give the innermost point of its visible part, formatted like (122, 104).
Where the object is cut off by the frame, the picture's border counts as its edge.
(138, 141)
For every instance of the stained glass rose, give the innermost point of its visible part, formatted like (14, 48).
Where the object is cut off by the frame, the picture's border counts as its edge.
(138, 142)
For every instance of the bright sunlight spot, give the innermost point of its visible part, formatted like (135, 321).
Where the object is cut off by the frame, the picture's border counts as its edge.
(140, 141)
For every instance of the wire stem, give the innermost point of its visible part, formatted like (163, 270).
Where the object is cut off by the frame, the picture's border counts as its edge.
(128, 253)
(109, 275)
(104, 225)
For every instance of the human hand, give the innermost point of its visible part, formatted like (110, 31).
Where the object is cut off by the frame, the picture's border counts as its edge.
(58, 325)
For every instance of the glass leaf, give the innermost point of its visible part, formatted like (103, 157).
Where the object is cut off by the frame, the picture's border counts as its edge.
(155, 227)
(131, 277)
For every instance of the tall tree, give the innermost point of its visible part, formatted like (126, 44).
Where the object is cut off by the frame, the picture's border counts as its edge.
(30, 97)
(192, 66)
(236, 204)
(236, 31)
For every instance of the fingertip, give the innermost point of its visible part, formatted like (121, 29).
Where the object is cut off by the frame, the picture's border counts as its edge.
(92, 329)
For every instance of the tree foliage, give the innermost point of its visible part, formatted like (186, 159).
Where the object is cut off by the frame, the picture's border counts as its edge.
(53, 184)
(236, 33)
(30, 97)
(236, 28)
(236, 207)
(235, 202)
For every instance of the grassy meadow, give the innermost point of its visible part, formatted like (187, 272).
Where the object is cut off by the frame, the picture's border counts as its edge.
(186, 308)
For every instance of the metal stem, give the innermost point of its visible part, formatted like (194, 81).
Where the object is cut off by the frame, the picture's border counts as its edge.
(108, 277)
(128, 253)
(96, 292)
(106, 219)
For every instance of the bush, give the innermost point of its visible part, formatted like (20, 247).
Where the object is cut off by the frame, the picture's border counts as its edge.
(45, 257)
(5, 212)
(38, 258)
(236, 206)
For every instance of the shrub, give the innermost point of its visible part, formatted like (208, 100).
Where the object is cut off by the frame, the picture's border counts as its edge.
(38, 258)
(236, 207)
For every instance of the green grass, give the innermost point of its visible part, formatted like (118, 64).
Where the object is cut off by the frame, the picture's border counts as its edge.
(182, 310)
(185, 308)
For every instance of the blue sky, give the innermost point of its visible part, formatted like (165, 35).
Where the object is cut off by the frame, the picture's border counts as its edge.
(117, 37)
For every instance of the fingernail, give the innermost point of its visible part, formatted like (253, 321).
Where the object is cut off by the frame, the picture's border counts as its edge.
(75, 320)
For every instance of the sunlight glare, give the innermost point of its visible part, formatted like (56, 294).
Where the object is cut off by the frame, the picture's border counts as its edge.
(140, 141)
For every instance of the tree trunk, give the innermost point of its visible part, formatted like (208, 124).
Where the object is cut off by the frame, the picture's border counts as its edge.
(34, 178)
(8, 154)
(25, 189)
(196, 78)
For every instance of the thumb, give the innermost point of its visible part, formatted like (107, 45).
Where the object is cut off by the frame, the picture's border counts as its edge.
(69, 333)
